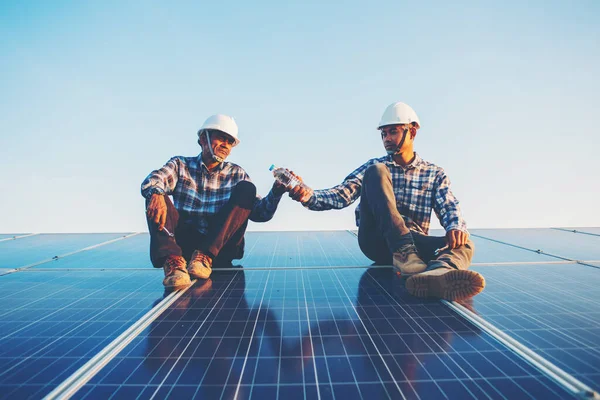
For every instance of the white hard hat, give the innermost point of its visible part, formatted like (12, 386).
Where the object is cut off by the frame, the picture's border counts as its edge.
(223, 123)
(398, 113)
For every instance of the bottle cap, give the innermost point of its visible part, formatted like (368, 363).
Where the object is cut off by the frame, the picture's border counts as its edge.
(272, 167)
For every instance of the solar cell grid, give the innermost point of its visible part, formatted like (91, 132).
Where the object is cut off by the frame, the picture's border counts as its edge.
(487, 251)
(302, 249)
(552, 241)
(128, 253)
(52, 323)
(27, 250)
(345, 333)
(553, 309)
(301, 333)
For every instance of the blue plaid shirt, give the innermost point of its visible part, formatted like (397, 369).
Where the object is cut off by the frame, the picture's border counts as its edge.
(419, 187)
(201, 193)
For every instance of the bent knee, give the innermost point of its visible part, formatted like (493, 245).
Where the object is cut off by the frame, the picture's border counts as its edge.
(245, 189)
(469, 249)
(470, 245)
(244, 194)
(377, 170)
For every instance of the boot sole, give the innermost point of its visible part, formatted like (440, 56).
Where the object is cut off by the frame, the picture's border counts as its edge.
(179, 285)
(453, 285)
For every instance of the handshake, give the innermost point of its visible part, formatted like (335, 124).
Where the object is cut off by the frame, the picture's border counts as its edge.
(288, 181)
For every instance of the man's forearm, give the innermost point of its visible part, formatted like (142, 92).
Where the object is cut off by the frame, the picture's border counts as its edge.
(265, 208)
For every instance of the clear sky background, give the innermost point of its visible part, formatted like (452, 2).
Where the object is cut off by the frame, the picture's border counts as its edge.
(94, 95)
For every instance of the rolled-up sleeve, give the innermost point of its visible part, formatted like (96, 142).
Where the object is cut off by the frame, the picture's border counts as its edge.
(339, 196)
(163, 180)
(264, 208)
(446, 205)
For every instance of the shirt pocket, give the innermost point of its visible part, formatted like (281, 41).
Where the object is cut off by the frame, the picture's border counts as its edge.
(420, 195)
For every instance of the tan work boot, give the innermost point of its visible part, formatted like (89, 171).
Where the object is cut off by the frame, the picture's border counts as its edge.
(407, 261)
(200, 265)
(176, 276)
(446, 283)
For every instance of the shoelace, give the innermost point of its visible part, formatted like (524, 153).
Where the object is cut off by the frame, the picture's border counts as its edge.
(405, 250)
(201, 258)
(174, 265)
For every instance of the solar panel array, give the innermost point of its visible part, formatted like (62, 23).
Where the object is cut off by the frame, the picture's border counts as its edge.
(552, 310)
(305, 315)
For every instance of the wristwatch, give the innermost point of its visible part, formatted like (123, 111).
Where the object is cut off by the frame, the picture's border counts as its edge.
(154, 191)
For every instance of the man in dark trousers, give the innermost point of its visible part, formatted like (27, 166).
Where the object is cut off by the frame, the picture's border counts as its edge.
(398, 193)
(212, 202)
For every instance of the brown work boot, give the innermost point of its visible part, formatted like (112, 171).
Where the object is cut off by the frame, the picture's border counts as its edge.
(200, 265)
(407, 261)
(176, 276)
(446, 283)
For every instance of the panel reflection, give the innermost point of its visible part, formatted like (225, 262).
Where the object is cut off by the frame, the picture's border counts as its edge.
(349, 333)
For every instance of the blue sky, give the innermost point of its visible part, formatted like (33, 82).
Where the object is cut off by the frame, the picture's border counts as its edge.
(95, 95)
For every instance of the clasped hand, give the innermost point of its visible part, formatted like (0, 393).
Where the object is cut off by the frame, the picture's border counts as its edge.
(456, 238)
(301, 193)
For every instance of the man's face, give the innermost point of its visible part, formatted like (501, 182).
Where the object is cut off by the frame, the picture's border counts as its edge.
(221, 143)
(391, 136)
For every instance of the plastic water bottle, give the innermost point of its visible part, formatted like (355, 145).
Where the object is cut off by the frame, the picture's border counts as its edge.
(284, 177)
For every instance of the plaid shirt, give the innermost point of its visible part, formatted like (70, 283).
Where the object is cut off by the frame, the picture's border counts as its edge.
(201, 193)
(419, 187)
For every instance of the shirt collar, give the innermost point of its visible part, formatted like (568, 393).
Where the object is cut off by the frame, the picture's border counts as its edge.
(219, 167)
(414, 164)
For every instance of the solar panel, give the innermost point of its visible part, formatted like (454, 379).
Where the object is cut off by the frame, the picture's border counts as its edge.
(302, 249)
(552, 241)
(347, 333)
(294, 323)
(553, 309)
(487, 251)
(10, 235)
(263, 249)
(53, 322)
(337, 248)
(588, 230)
(21, 252)
(130, 252)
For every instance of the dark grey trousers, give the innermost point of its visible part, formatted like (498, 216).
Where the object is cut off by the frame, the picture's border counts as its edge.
(382, 229)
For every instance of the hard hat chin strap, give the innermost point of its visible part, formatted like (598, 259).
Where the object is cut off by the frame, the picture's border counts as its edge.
(215, 157)
(397, 149)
